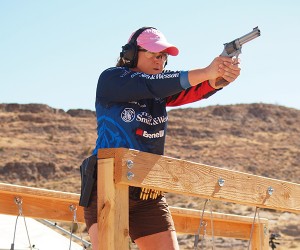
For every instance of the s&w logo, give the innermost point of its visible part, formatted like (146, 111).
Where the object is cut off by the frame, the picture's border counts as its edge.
(144, 117)
(150, 135)
(128, 115)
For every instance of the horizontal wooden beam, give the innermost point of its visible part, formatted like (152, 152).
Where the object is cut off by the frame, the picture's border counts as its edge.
(224, 225)
(188, 178)
(39, 203)
(55, 205)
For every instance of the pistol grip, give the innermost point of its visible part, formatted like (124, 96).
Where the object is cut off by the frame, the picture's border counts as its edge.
(221, 82)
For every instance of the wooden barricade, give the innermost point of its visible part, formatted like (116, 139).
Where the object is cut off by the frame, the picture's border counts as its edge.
(120, 168)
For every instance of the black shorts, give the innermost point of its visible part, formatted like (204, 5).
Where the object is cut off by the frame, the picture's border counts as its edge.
(146, 217)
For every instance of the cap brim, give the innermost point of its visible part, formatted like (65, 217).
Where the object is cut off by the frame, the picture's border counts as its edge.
(159, 46)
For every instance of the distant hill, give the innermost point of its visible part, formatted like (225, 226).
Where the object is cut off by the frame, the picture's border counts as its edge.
(43, 147)
(256, 138)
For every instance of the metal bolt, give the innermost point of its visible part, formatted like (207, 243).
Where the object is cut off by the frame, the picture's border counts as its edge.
(18, 200)
(221, 182)
(72, 208)
(129, 164)
(130, 175)
(270, 190)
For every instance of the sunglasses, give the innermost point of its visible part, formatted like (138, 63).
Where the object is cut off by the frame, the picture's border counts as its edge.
(157, 55)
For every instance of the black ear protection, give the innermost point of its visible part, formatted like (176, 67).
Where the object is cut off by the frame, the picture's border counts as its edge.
(130, 50)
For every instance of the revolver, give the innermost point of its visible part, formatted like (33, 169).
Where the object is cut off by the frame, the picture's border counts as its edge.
(234, 48)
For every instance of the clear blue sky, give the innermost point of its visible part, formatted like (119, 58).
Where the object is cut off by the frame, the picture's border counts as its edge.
(52, 52)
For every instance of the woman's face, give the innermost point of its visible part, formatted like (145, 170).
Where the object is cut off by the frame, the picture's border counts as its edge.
(150, 62)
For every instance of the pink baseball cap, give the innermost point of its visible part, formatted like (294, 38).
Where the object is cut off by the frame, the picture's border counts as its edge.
(155, 41)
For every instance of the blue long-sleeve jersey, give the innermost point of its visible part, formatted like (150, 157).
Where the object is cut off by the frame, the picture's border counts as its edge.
(131, 107)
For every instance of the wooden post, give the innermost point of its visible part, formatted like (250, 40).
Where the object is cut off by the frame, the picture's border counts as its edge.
(113, 215)
(260, 238)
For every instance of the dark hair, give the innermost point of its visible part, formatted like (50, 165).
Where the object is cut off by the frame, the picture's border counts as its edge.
(121, 62)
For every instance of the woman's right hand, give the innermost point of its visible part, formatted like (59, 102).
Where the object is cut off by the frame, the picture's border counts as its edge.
(226, 69)
(220, 67)
(217, 67)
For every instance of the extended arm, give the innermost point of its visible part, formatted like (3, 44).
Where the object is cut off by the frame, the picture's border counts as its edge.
(221, 67)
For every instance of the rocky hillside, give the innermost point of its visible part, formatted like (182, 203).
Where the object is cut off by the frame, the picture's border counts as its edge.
(43, 147)
(258, 138)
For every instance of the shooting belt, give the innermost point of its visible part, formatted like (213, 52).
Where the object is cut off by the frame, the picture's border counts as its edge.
(137, 193)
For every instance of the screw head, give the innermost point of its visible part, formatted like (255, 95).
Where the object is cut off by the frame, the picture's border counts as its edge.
(72, 207)
(221, 182)
(18, 200)
(129, 164)
(270, 190)
(130, 175)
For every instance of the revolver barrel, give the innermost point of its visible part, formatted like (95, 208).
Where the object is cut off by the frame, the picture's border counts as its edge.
(250, 36)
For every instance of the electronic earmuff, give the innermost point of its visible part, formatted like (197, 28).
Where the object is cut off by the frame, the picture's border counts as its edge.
(130, 50)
